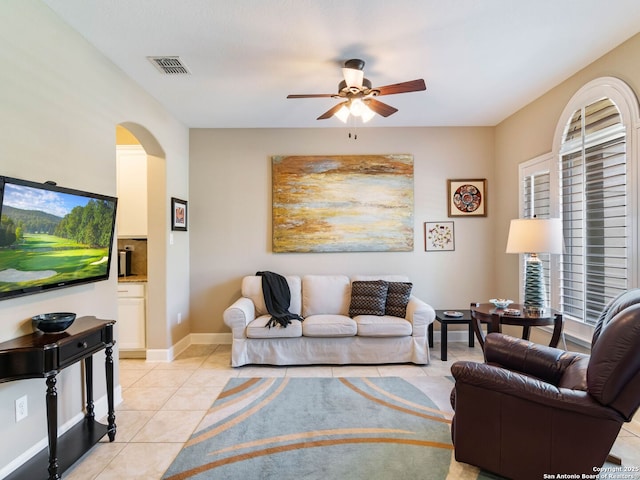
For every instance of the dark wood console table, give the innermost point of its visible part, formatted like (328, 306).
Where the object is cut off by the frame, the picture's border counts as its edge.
(43, 355)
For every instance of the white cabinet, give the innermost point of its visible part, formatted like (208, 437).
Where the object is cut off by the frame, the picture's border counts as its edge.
(131, 164)
(132, 317)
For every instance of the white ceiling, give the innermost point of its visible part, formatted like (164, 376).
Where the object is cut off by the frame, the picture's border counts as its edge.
(482, 60)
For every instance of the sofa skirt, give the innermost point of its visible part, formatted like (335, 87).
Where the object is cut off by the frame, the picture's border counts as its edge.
(329, 351)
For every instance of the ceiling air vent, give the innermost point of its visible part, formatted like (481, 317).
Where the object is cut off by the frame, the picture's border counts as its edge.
(169, 65)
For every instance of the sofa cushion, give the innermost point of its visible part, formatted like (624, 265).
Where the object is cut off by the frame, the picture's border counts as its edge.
(329, 326)
(368, 298)
(252, 288)
(382, 326)
(325, 294)
(258, 329)
(398, 296)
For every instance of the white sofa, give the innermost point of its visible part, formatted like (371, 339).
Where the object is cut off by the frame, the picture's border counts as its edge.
(327, 335)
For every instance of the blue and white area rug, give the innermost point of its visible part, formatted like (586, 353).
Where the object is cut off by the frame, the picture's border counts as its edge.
(321, 428)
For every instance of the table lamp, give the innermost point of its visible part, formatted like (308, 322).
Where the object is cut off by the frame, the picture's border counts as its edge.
(532, 236)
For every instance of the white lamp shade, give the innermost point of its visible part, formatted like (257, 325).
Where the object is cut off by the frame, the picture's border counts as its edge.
(535, 235)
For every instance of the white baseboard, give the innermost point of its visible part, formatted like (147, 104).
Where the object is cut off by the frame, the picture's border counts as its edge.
(168, 354)
(101, 408)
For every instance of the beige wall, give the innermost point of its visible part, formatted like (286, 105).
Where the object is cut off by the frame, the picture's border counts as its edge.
(230, 208)
(529, 133)
(60, 102)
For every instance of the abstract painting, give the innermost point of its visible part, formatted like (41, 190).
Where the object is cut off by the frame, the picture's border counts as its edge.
(342, 203)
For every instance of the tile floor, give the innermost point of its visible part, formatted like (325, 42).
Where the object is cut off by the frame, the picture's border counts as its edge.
(164, 402)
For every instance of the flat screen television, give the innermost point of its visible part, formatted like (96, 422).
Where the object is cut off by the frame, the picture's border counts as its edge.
(52, 237)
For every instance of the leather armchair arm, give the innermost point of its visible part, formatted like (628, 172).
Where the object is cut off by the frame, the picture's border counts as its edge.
(540, 361)
(499, 380)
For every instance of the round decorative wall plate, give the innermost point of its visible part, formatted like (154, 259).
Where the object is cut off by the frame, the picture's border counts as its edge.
(467, 198)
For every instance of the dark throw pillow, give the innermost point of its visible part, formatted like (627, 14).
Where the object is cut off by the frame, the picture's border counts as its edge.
(368, 298)
(398, 295)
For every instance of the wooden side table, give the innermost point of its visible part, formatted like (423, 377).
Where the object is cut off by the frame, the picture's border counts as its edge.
(445, 321)
(43, 355)
(495, 317)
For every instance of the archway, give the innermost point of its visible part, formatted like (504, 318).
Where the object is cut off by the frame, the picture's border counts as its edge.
(156, 231)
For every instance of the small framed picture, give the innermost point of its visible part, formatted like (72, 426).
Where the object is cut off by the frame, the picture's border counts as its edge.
(467, 198)
(439, 237)
(178, 214)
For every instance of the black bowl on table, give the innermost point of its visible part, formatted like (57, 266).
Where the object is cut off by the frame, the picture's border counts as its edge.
(53, 322)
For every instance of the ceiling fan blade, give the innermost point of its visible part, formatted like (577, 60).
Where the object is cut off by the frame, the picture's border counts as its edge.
(313, 95)
(329, 113)
(380, 108)
(404, 87)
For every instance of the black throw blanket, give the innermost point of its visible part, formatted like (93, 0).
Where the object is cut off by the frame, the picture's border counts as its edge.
(277, 298)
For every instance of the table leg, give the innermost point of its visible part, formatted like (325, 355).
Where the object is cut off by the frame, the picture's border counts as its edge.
(111, 416)
(526, 332)
(477, 328)
(88, 376)
(430, 335)
(557, 330)
(443, 341)
(52, 426)
(471, 335)
(495, 325)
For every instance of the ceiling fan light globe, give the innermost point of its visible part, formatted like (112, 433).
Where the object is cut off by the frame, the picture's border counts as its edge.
(357, 107)
(342, 114)
(367, 114)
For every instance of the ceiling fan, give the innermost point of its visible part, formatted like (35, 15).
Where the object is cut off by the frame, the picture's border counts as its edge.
(358, 94)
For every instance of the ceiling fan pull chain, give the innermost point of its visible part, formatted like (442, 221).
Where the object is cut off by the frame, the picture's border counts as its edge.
(354, 125)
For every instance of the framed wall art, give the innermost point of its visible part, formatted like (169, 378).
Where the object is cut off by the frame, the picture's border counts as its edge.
(467, 198)
(178, 214)
(342, 203)
(439, 237)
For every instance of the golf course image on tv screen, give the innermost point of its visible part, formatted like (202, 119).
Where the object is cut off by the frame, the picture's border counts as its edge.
(52, 237)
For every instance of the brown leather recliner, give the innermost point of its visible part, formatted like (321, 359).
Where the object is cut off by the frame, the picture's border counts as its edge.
(532, 409)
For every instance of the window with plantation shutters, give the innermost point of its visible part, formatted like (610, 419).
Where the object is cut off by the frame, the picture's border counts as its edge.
(587, 181)
(593, 198)
(536, 204)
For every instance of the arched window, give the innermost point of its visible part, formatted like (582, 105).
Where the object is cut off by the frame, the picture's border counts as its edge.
(590, 181)
(593, 206)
